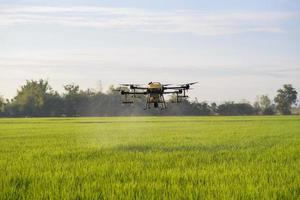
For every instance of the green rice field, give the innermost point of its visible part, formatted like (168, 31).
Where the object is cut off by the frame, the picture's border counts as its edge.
(150, 158)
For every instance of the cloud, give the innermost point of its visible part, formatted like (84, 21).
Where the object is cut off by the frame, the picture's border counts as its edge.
(90, 65)
(132, 19)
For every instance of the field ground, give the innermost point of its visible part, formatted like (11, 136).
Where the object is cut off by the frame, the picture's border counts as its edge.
(150, 158)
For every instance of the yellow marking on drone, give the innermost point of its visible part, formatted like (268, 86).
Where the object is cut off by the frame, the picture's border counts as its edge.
(155, 85)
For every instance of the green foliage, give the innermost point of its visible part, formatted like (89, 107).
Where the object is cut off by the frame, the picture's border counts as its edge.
(214, 108)
(265, 102)
(285, 98)
(71, 100)
(2, 105)
(231, 108)
(32, 97)
(264, 105)
(72, 89)
(150, 158)
(36, 98)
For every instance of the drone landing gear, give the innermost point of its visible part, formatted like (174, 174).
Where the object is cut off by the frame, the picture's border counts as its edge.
(147, 103)
(160, 103)
(163, 102)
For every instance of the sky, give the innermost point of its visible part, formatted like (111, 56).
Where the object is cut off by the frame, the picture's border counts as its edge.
(235, 49)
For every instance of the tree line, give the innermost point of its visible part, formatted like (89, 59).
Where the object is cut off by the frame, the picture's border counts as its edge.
(36, 98)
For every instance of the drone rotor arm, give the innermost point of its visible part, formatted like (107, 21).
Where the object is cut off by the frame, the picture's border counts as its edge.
(173, 92)
(124, 93)
(174, 88)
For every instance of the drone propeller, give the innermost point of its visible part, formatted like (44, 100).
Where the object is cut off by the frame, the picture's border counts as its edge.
(127, 84)
(131, 86)
(191, 83)
(186, 84)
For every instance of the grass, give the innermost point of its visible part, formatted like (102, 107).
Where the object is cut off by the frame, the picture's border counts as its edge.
(150, 158)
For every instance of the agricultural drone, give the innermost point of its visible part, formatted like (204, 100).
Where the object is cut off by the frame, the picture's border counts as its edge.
(154, 93)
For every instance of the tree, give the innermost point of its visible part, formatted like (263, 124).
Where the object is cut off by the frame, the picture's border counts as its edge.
(256, 105)
(286, 97)
(54, 105)
(2, 103)
(71, 89)
(213, 107)
(231, 108)
(71, 99)
(266, 106)
(31, 97)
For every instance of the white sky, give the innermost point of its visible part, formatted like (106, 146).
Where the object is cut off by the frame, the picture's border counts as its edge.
(236, 51)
